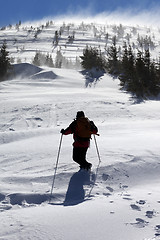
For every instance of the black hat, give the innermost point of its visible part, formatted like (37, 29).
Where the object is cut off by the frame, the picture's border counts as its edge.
(80, 114)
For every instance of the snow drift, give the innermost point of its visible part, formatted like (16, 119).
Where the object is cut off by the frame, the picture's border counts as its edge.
(26, 70)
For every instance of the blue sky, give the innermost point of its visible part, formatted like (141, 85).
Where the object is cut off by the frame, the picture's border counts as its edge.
(25, 10)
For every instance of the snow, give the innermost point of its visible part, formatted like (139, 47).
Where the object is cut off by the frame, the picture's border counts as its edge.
(124, 202)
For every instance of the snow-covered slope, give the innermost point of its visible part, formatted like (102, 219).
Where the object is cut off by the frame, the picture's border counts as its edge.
(121, 198)
(125, 199)
(72, 37)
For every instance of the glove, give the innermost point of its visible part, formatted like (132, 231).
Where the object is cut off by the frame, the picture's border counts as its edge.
(92, 123)
(62, 131)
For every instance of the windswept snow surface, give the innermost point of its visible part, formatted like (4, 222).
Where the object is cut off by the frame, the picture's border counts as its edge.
(124, 202)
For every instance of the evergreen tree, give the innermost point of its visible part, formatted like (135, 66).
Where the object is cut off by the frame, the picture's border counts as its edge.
(127, 75)
(42, 59)
(147, 60)
(131, 68)
(56, 38)
(158, 72)
(58, 59)
(4, 61)
(138, 75)
(147, 71)
(124, 66)
(49, 61)
(139, 87)
(36, 60)
(154, 87)
(113, 62)
(92, 58)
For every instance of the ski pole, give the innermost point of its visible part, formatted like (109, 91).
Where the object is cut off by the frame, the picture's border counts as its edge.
(97, 149)
(54, 176)
(89, 194)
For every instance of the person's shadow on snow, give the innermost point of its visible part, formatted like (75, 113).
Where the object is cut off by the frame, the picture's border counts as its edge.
(75, 192)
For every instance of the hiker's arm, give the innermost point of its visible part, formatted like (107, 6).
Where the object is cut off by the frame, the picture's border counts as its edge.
(68, 130)
(94, 129)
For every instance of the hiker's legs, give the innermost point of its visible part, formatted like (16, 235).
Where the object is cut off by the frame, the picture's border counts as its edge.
(79, 156)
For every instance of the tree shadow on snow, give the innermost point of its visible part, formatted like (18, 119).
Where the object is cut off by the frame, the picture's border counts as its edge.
(75, 192)
(92, 77)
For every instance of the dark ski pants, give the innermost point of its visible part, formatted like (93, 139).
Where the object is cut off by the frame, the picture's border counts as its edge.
(79, 156)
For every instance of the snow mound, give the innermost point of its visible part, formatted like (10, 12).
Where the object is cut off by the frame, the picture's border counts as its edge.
(29, 198)
(44, 75)
(25, 69)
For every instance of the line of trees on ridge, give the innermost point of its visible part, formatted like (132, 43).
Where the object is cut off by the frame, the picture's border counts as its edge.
(138, 73)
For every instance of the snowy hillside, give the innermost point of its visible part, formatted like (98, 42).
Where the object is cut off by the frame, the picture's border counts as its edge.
(121, 197)
(70, 37)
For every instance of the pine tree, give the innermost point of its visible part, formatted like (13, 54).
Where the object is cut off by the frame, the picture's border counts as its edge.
(138, 87)
(127, 75)
(131, 68)
(36, 60)
(147, 71)
(93, 58)
(154, 86)
(158, 72)
(112, 62)
(49, 61)
(58, 59)
(4, 61)
(123, 66)
(56, 38)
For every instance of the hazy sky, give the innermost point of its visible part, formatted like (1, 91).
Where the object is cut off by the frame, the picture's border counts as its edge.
(25, 10)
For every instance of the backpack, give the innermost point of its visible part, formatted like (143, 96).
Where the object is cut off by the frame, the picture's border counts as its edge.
(83, 128)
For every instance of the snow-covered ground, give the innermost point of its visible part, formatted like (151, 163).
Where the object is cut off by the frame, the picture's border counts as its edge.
(123, 204)
(121, 198)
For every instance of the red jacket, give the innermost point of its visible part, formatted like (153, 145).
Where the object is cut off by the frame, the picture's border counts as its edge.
(78, 141)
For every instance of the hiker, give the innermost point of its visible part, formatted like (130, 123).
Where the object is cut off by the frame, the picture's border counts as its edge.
(81, 128)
